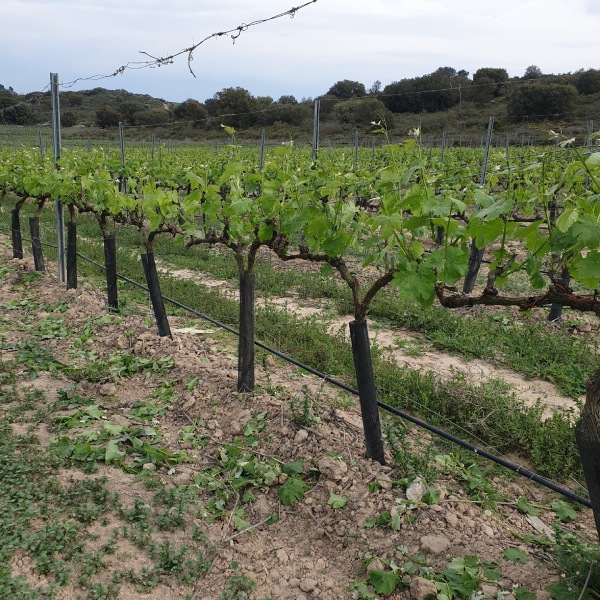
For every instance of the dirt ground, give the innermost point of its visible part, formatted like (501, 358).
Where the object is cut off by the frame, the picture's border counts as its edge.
(312, 550)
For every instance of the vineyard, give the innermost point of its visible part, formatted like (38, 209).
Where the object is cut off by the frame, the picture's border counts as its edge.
(499, 265)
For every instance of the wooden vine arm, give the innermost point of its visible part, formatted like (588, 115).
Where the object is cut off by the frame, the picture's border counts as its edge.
(590, 415)
(279, 245)
(556, 294)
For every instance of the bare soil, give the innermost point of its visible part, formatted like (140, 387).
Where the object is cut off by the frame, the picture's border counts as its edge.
(312, 550)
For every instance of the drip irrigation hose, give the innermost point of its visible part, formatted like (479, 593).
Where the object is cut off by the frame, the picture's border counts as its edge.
(414, 420)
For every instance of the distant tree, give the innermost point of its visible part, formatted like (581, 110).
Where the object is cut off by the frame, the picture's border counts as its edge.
(462, 73)
(375, 88)
(488, 83)
(71, 99)
(445, 72)
(107, 117)
(497, 76)
(287, 100)
(7, 99)
(403, 96)
(532, 72)
(347, 89)
(95, 91)
(263, 102)
(539, 100)
(437, 91)
(292, 114)
(481, 92)
(361, 112)
(14, 110)
(154, 116)
(327, 104)
(68, 118)
(129, 109)
(588, 82)
(237, 102)
(191, 110)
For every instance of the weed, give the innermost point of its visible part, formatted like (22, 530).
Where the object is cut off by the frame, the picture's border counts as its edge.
(237, 588)
(578, 559)
(302, 413)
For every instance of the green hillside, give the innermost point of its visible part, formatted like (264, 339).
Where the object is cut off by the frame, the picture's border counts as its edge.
(447, 100)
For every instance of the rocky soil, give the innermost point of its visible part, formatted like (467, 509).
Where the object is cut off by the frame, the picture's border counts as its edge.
(311, 550)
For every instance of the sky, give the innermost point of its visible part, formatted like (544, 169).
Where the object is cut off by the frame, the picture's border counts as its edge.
(327, 41)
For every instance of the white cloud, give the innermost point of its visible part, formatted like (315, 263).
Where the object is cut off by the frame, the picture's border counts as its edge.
(327, 41)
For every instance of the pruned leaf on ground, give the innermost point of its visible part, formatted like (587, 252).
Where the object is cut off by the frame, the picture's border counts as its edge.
(384, 582)
(563, 511)
(522, 593)
(525, 508)
(516, 555)
(293, 468)
(337, 501)
(292, 490)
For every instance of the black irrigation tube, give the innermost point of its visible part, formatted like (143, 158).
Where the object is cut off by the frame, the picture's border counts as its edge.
(414, 420)
(439, 432)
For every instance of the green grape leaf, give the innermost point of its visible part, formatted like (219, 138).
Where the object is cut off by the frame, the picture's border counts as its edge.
(593, 160)
(113, 429)
(516, 555)
(112, 453)
(586, 269)
(502, 206)
(567, 218)
(337, 501)
(485, 232)
(293, 468)
(416, 284)
(265, 233)
(522, 593)
(292, 490)
(563, 511)
(525, 508)
(384, 582)
(335, 245)
(587, 231)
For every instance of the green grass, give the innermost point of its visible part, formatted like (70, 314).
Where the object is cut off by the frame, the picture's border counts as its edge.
(49, 517)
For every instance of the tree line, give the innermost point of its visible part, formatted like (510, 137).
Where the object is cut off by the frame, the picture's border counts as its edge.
(535, 96)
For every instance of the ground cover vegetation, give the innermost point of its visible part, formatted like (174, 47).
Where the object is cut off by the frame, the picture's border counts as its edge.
(101, 190)
(445, 100)
(398, 221)
(131, 467)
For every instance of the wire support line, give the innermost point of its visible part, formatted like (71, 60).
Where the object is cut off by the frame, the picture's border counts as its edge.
(522, 471)
(158, 61)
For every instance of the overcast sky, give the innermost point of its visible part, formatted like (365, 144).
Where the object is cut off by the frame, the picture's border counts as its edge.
(329, 40)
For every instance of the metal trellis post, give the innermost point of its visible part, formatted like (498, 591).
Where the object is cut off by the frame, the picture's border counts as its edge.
(60, 222)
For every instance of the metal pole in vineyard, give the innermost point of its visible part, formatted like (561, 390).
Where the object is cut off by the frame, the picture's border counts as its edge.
(315, 141)
(355, 150)
(262, 149)
(40, 143)
(443, 147)
(60, 222)
(590, 130)
(122, 144)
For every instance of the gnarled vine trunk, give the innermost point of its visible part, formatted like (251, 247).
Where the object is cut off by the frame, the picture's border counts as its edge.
(587, 435)
(245, 382)
(365, 380)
